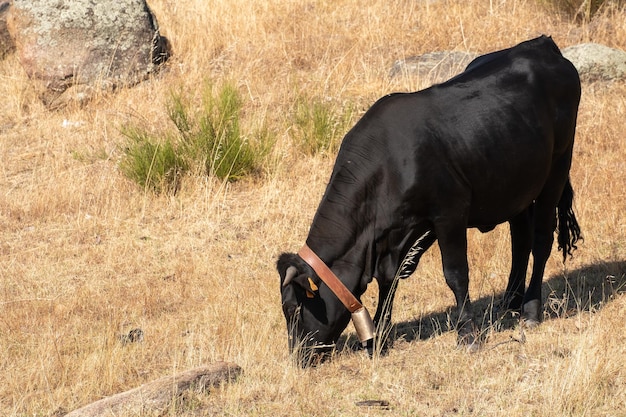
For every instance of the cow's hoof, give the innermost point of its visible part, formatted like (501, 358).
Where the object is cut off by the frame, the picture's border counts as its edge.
(531, 313)
(529, 323)
(474, 347)
(370, 348)
(378, 347)
(469, 337)
(470, 346)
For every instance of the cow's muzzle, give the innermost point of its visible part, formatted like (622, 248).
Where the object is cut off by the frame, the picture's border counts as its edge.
(306, 353)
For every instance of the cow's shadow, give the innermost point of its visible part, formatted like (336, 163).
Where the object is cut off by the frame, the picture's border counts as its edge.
(564, 295)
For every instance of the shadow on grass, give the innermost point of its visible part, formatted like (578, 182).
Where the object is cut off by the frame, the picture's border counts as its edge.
(564, 295)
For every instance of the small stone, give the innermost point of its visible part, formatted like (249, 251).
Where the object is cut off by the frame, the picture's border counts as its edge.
(134, 336)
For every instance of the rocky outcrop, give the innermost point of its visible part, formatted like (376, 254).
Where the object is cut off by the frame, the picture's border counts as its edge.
(593, 61)
(596, 62)
(99, 43)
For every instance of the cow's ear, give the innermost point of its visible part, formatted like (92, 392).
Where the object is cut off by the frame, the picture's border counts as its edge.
(293, 270)
(312, 289)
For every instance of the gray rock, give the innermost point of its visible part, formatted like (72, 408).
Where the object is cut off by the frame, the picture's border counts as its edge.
(6, 42)
(433, 66)
(101, 43)
(596, 62)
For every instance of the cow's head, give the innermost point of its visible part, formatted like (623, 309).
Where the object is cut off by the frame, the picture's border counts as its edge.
(315, 316)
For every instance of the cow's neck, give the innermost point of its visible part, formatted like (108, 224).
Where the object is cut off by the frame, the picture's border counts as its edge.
(348, 219)
(358, 256)
(348, 258)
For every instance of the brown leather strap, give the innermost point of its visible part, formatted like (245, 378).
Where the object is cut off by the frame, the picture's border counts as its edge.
(330, 279)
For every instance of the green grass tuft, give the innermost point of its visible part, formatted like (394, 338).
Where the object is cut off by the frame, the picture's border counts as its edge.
(209, 140)
(153, 163)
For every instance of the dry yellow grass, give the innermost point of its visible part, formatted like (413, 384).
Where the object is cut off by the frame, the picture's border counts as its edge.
(86, 256)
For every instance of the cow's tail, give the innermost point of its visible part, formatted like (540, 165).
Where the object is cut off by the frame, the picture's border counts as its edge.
(567, 226)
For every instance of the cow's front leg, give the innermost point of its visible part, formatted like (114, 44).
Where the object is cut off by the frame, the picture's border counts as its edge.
(453, 246)
(382, 318)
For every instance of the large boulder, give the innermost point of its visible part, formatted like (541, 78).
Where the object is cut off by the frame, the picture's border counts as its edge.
(596, 62)
(99, 43)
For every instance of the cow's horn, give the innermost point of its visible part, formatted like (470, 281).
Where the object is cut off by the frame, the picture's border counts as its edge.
(291, 272)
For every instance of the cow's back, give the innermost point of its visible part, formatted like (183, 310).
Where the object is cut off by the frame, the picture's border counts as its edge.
(491, 133)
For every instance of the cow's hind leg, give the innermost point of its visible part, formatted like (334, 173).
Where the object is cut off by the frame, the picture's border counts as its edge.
(521, 246)
(545, 221)
(532, 310)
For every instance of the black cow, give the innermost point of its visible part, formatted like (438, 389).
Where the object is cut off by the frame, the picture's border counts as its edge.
(491, 145)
